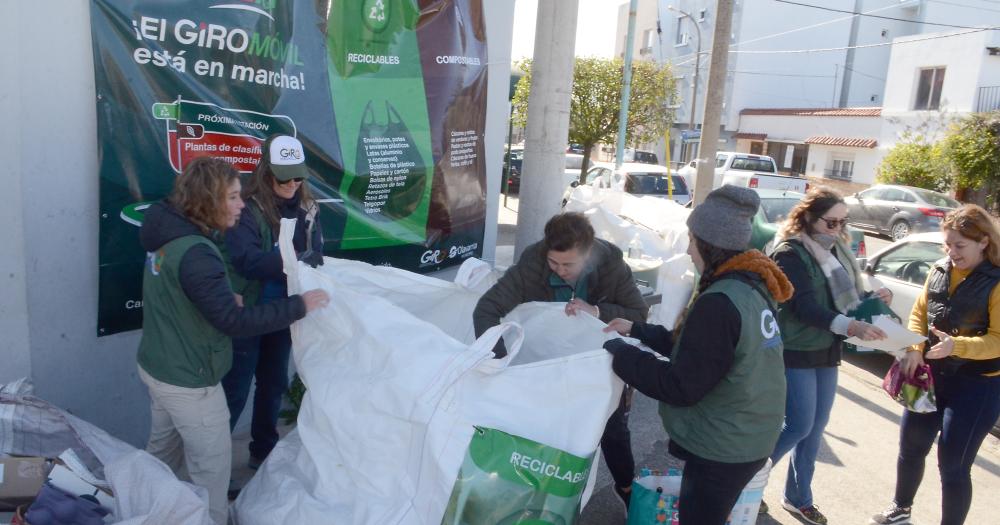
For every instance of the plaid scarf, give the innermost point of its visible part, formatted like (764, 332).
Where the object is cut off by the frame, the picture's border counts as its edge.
(841, 272)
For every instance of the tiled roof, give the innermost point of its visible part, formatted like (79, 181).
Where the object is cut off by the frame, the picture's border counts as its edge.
(751, 136)
(815, 112)
(842, 141)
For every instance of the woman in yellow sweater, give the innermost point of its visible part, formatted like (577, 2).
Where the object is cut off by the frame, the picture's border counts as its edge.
(959, 311)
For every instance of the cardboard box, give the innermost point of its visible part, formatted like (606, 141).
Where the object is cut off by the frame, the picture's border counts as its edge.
(20, 480)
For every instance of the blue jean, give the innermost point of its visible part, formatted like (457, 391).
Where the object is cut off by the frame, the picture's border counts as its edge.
(265, 358)
(807, 411)
(967, 408)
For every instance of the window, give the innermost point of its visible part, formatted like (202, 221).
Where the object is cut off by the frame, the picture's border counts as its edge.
(874, 194)
(702, 14)
(593, 174)
(909, 262)
(681, 38)
(720, 160)
(929, 88)
(647, 38)
(893, 195)
(841, 169)
(937, 199)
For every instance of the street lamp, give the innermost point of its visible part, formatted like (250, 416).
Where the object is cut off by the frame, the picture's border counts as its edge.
(697, 63)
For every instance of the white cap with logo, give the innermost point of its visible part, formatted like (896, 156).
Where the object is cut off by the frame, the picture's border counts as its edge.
(288, 158)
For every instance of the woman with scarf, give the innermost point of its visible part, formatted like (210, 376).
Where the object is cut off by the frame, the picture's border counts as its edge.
(276, 190)
(959, 311)
(722, 394)
(813, 251)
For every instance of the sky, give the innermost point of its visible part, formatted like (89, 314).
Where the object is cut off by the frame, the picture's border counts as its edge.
(596, 23)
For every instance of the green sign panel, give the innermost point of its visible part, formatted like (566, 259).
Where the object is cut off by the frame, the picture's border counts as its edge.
(388, 97)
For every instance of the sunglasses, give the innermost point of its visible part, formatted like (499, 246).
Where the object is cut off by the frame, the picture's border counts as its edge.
(834, 223)
(284, 182)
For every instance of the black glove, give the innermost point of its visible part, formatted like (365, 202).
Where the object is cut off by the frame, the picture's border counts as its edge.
(617, 346)
(312, 258)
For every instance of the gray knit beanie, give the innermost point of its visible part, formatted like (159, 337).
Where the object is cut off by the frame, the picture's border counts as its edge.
(723, 220)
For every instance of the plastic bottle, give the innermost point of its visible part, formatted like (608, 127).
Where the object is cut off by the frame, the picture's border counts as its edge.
(635, 248)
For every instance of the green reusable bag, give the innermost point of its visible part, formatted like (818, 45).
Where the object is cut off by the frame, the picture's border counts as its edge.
(865, 311)
(510, 480)
(390, 176)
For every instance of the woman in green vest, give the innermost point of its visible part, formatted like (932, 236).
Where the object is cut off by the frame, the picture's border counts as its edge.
(189, 315)
(814, 251)
(722, 394)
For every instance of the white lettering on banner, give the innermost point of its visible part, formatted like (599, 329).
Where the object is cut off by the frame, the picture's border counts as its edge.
(431, 257)
(362, 58)
(546, 469)
(442, 59)
(768, 325)
(132, 304)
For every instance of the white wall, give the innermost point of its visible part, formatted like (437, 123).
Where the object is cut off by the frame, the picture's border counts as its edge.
(962, 56)
(798, 129)
(865, 161)
(49, 223)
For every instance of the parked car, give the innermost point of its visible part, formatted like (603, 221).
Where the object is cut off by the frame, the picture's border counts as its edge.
(746, 170)
(514, 160)
(637, 179)
(898, 211)
(903, 266)
(774, 208)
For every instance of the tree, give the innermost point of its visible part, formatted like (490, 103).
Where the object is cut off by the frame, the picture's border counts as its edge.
(595, 100)
(973, 147)
(915, 162)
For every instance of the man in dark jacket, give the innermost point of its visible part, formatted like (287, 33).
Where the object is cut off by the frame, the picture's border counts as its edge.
(590, 275)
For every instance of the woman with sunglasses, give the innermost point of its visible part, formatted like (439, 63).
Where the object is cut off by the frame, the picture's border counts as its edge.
(276, 190)
(814, 252)
(959, 312)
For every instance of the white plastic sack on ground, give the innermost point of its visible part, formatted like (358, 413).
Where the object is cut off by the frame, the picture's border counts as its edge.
(435, 301)
(393, 401)
(146, 491)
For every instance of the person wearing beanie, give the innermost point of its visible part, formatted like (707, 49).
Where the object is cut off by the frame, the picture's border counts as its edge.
(813, 250)
(722, 394)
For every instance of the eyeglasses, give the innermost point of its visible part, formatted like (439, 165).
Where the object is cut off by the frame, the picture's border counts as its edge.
(834, 223)
(284, 182)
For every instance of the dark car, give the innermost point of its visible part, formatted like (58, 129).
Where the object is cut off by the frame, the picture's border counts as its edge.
(898, 211)
(514, 161)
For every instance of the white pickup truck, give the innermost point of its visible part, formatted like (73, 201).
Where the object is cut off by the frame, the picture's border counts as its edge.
(746, 170)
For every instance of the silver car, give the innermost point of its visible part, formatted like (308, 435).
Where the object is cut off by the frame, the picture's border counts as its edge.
(898, 211)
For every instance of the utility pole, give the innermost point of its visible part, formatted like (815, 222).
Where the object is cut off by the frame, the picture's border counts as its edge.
(547, 130)
(633, 6)
(845, 91)
(715, 91)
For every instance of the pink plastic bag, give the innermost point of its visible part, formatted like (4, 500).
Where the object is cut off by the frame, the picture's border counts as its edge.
(915, 393)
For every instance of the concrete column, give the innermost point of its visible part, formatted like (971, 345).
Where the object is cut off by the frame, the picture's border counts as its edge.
(715, 91)
(15, 348)
(548, 121)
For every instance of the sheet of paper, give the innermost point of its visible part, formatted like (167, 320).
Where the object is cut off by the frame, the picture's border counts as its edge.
(899, 338)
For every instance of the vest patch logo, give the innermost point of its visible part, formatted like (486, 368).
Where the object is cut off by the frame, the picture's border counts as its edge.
(154, 261)
(768, 324)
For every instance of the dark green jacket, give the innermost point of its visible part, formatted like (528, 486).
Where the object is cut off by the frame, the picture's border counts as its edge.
(805, 319)
(610, 286)
(740, 419)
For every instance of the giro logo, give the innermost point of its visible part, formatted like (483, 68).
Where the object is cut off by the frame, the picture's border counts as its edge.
(432, 257)
(768, 324)
(290, 153)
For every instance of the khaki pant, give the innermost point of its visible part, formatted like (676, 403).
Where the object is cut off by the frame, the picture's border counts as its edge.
(192, 424)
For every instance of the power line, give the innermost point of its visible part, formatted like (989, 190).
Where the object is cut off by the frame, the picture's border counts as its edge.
(964, 5)
(866, 46)
(855, 13)
(851, 69)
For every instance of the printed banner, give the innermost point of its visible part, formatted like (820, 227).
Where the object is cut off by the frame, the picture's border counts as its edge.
(387, 96)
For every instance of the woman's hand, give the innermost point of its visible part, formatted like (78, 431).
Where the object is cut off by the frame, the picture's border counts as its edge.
(864, 331)
(579, 305)
(908, 365)
(944, 348)
(622, 326)
(885, 295)
(239, 299)
(315, 299)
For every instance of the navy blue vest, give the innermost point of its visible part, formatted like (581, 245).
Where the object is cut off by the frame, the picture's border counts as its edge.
(965, 313)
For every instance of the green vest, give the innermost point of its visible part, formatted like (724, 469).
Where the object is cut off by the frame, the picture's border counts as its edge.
(179, 346)
(249, 288)
(740, 419)
(797, 335)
